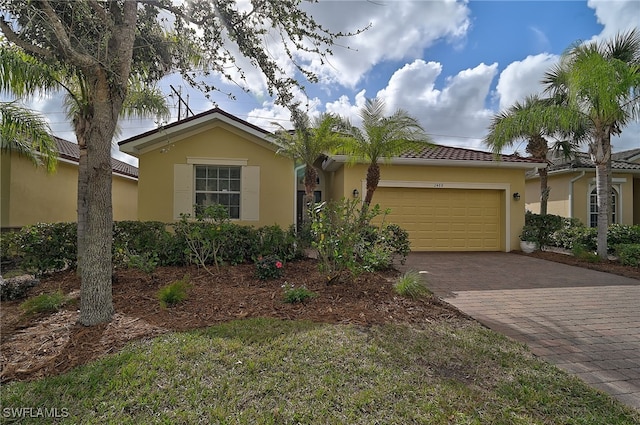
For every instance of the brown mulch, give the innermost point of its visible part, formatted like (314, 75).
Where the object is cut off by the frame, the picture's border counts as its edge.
(609, 266)
(42, 345)
(32, 347)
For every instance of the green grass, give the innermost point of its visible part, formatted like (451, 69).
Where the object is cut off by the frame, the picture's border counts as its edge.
(174, 293)
(269, 371)
(411, 285)
(44, 303)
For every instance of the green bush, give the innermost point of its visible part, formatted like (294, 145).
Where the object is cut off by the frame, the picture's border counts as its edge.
(204, 238)
(300, 294)
(273, 240)
(545, 225)
(44, 303)
(411, 285)
(239, 244)
(589, 255)
(346, 241)
(269, 267)
(628, 254)
(174, 293)
(47, 247)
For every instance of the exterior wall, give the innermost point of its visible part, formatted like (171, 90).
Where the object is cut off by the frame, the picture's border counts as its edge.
(508, 179)
(125, 198)
(561, 197)
(636, 200)
(222, 142)
(30, 195)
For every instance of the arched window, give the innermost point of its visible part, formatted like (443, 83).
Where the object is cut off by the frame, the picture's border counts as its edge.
(593, 207)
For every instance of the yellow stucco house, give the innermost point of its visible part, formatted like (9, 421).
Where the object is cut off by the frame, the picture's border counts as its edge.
(573, 188)
(448, 199)
(29, 195)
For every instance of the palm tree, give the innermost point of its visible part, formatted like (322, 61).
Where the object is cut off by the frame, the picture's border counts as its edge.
(26, 133)
(382, 138)
(306, 144)
(601, 80)
(534, 120)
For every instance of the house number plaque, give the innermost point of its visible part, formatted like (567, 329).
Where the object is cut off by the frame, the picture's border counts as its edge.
(438, 185)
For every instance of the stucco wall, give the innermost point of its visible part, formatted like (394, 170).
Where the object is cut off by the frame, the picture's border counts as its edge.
(562, 190)
(512, 180)
(156, 174)
(30, 195)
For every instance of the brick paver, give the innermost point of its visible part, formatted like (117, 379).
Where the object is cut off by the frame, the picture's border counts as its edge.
(585, 322)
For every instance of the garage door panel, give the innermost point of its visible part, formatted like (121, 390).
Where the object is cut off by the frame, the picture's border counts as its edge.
(446, 219)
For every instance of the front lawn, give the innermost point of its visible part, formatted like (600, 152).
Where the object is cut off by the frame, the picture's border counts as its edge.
(272, 371)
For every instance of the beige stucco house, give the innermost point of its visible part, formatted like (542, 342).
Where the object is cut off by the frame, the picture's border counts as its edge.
(30, 195)
(449, 199)
(573, 188)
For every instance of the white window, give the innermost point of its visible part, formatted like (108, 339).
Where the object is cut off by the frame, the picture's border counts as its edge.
(593, 207)
(204, 182)
(218, 185)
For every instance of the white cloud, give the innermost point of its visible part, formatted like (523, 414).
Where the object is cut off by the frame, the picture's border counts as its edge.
(522, 78)
(615, 16)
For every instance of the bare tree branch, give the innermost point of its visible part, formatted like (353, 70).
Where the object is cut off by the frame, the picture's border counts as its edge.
(80, 59)
(15, 39)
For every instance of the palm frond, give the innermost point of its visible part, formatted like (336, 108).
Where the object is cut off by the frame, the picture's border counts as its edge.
(26, 133)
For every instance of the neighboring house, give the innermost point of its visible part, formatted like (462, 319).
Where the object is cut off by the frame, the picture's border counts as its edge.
(30, 195)
(448, 199)
(573, 188)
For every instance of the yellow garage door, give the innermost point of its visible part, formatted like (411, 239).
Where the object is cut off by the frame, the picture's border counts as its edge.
(446, 219)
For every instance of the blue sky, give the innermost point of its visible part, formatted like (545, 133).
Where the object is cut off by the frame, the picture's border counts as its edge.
(452, 65)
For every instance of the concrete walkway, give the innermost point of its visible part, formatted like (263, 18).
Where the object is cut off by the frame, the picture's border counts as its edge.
(583, 321)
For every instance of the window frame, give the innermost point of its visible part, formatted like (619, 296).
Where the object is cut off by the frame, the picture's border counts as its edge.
(592, 205)
(233, 209)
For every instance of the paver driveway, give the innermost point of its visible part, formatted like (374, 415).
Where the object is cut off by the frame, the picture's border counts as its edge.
(585, 322)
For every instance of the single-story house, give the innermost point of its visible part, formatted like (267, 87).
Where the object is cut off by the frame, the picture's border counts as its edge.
(30, 195)
(448, 199)
(573, 188)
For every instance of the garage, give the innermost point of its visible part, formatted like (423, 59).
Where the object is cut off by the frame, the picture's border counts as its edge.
(442, 219)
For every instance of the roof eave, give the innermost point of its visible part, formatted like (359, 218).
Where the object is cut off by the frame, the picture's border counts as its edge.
(334, 162)
(149, 140)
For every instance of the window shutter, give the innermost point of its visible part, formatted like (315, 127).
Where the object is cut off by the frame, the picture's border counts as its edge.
(250, 193)
(182, 190)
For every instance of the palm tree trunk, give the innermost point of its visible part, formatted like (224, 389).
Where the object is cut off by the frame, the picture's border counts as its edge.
(373, 178)
(310, 178)
(544, 190)
(600, 151)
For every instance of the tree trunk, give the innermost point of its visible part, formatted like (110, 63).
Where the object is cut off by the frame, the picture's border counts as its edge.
(544, 191)
(96, 303)
(310, 178)
(600, 151)
(80, 124)
(373, 178)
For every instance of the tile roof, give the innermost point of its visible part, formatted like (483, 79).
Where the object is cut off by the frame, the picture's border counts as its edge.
(583, 160)
(461, 154)
(625, 155)
(70, 151)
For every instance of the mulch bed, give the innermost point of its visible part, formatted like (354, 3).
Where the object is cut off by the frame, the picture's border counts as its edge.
(48, 344)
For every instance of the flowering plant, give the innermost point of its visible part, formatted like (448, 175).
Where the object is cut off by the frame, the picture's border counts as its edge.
(269, 267)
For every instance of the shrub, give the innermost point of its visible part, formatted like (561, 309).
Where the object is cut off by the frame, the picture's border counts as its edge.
(300, 294)
(238, 244)
(269, 267)
(273, 240)
(204, 238)
(580, 251)
(174, 293)
(411, 285)
(544, 225)
(628, 254)
(346, 241)
(47, 247)
(147, 262)
(44, 303)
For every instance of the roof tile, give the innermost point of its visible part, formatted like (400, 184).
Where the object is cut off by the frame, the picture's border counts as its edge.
(70, 151)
